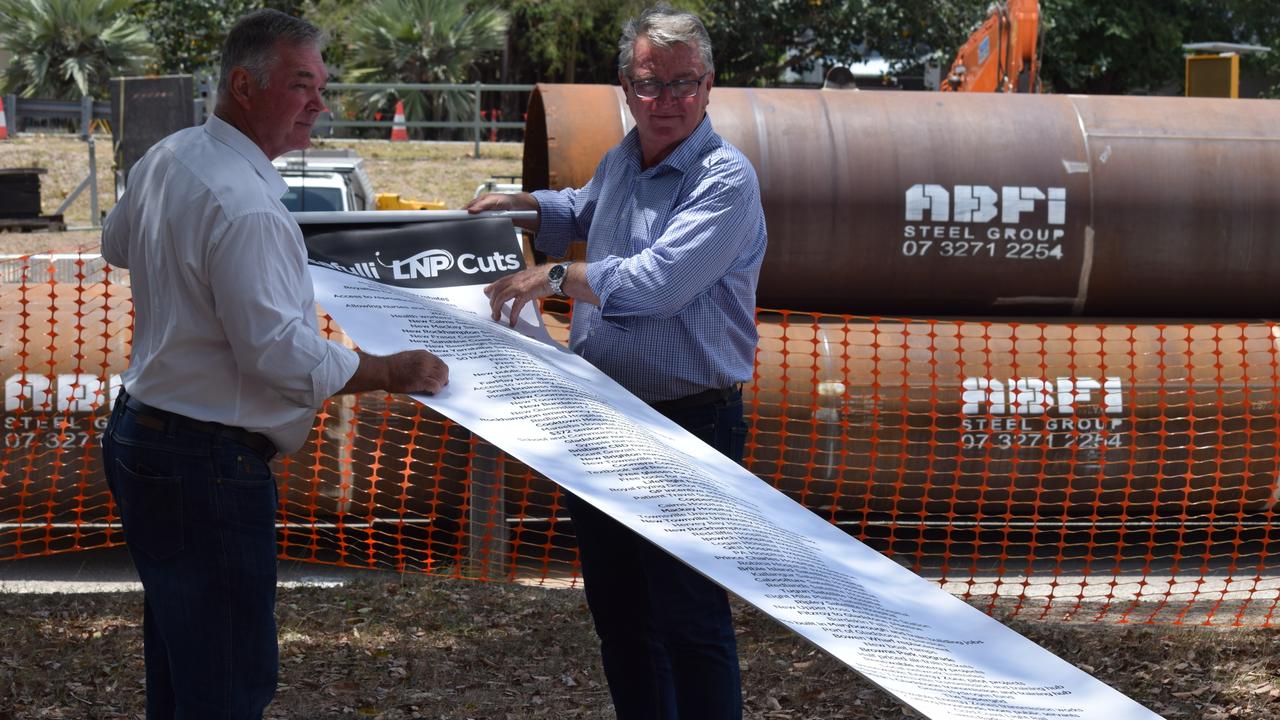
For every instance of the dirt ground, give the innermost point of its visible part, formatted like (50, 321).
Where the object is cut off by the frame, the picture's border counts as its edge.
(423, 647)
(395, 647)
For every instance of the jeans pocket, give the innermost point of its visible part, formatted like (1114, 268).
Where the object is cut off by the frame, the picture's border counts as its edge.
(246, 491)
(151, 508)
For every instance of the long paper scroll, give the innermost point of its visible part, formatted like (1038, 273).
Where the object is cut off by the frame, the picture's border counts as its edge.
(394, 288)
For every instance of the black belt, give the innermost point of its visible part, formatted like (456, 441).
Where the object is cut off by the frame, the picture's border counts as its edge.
(706, 397)
(158, 419)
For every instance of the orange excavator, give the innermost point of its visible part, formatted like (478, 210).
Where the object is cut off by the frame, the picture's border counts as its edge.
(1001, 55)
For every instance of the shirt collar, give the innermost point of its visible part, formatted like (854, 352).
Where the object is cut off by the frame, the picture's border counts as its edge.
(680, 159)
(229, 135)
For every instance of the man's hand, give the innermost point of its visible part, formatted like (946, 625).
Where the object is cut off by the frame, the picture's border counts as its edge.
(410, 371)
(506, 201)
(528, 284)
(416, 371)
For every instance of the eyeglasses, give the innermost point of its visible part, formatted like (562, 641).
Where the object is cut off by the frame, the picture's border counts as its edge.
(652, 89)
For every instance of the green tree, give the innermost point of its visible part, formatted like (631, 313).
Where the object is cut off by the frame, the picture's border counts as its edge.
(755, 41)
(188, 34)
(909, 33)
(1086, 46)
(1251, 22)
(66, 49)
(1102, 47)
(337, 18)
(567, 40)
(423, 41)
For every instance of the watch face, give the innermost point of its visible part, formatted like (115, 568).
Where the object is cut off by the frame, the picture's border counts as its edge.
(556, 273)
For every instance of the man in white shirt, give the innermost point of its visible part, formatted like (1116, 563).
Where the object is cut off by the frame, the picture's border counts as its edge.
(228, 367)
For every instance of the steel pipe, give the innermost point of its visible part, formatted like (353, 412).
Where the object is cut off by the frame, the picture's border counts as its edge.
(952, 204)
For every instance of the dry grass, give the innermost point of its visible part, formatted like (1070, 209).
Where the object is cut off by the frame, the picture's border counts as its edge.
(443, 171)
(396, 647)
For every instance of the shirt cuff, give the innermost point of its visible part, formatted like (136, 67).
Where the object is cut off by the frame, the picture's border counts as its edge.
(555, 222)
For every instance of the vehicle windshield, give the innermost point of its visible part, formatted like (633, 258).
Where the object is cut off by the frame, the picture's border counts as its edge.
(312, 199)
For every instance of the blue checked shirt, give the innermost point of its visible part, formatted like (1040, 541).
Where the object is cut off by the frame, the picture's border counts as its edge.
(674, 255)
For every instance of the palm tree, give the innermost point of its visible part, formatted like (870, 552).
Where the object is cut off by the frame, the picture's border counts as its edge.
(66, 49)
(423, 41)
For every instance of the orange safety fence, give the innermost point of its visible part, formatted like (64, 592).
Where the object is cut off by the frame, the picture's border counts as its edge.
(1106, 471)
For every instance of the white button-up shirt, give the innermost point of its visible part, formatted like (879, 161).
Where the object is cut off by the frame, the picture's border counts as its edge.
(225, 326)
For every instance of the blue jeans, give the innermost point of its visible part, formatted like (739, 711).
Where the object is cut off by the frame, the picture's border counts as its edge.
(666, 632)
(199, 520)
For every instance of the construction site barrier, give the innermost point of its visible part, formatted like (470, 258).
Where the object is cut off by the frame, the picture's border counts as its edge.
(1119, 472)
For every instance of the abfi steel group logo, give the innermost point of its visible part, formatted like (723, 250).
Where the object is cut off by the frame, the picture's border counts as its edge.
(981, 204)
(1035, 396)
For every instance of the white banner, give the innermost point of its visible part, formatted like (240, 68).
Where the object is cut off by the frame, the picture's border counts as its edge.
(567, 420)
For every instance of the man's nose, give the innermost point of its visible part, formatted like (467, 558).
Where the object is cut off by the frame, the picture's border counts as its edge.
(667, 95)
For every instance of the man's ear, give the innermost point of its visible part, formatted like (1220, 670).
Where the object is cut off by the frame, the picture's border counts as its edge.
(239, 86)
(622, 80)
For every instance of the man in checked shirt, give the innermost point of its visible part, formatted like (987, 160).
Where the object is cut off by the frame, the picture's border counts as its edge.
(666, 306)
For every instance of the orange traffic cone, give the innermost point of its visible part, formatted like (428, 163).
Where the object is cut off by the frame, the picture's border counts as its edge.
(398, 131)
(4, 123)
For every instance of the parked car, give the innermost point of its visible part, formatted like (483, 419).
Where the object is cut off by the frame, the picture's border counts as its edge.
(508, 184)
(325, 181)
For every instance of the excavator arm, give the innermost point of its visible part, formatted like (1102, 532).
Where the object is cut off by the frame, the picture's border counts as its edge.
(1001, 55)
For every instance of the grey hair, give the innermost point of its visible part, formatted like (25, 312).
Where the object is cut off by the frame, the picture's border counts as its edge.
(252, 41)
(664, 27)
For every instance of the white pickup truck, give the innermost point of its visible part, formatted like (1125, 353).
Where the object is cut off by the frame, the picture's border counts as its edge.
(325, 180)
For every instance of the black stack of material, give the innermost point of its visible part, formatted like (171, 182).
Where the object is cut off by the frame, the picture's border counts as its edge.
(145, 110)
(20, 192)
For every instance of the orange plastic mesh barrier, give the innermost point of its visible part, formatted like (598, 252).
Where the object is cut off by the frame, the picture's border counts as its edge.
(1120, 472)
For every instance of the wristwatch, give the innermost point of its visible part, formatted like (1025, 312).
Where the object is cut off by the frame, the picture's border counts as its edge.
(556, 275)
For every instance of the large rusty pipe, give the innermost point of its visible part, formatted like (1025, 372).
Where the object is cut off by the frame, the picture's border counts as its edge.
(902, 203)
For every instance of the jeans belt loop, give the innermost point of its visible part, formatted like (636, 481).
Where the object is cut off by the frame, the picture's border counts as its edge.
(169, 421)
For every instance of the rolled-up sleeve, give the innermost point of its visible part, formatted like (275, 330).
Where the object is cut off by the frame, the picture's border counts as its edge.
(266, 304)
(707, 234)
